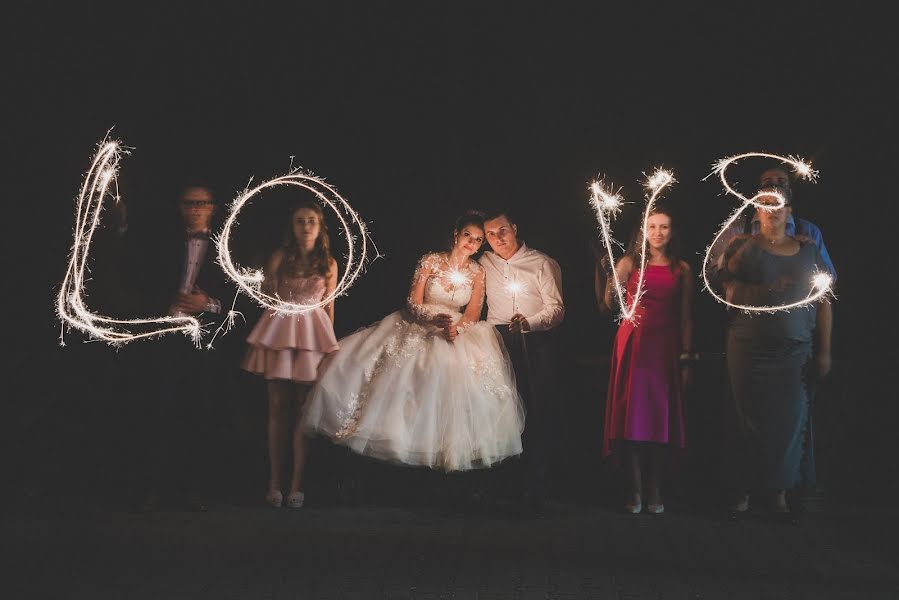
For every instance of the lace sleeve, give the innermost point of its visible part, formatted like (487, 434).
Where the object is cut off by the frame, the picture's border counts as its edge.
(476, 304)
(426, 268)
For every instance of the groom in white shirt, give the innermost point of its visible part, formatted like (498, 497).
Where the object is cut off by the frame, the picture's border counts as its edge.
(524, 303)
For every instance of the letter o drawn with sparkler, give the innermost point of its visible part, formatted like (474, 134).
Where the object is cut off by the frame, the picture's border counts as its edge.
(353, 229)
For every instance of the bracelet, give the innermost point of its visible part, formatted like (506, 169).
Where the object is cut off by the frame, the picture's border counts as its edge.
(685, 356)
(460, 329)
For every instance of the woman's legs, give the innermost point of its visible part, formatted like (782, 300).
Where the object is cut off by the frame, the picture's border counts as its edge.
(278, 403)
(632, 457)
(300, 443)
(656, 463)
(780, 502)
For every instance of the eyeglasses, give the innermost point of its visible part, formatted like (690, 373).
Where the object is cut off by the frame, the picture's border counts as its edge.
(196, 203)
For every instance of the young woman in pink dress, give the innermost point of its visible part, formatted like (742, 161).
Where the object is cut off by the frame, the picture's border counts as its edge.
(287, 349)
(644, 409)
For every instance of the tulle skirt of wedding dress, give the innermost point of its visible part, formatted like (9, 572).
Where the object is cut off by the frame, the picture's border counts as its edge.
(399, 391)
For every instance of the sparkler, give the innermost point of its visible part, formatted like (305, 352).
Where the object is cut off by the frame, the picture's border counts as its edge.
(356, 233)
(607, 203)
(70, 302)
(456, 277)
(820, 284)
(514, 287)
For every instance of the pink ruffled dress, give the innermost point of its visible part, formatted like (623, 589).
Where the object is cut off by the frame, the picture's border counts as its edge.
(292, 346)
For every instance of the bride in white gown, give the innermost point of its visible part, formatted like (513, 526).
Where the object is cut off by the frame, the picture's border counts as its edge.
(429, 385)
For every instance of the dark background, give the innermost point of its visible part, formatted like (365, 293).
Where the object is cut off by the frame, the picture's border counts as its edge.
(418, 111)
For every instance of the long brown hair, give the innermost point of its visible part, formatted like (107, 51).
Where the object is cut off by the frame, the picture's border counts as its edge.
(672, 249)
(320, 258)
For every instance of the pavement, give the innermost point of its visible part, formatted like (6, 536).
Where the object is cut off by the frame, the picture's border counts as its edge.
(429, 549)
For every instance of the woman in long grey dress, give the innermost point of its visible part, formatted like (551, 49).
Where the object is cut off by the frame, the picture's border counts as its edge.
(770, 357)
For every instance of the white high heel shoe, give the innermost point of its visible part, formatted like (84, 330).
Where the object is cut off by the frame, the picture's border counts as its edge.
(295, 500)
(274, 498)
(633, 507)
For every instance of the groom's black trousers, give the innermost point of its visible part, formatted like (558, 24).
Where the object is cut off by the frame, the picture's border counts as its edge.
(532, 356)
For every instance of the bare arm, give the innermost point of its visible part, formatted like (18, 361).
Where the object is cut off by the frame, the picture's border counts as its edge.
(733, 255)
(270, 281)
(623, 271)
(330, 285)
(823, 330)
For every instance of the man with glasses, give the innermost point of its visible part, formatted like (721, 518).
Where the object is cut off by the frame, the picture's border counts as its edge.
(182, 278)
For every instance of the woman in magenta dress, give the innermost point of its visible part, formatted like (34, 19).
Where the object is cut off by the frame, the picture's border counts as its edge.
(644, 409)
(287, 349)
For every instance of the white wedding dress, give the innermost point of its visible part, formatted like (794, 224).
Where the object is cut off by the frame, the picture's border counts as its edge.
(398, 390)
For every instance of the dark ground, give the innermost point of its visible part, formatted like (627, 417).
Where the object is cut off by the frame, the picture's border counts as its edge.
(372, 530)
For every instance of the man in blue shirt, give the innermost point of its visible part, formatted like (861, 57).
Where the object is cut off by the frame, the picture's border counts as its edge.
(778, 178)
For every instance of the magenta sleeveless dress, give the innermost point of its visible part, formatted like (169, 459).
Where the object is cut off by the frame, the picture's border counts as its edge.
(292, 346)
(645, 399)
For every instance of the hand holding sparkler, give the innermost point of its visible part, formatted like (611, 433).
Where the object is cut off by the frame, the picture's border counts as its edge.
(451, 332)
(519, 324)
(193, 303)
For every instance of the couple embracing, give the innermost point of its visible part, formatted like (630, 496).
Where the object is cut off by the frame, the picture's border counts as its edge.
(433, 384)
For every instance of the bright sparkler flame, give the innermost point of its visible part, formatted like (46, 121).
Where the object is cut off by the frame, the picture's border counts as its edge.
(607, 203)
(70, 302)
(457, 277)
(350, 222)
(659, 179)
(514, 287)
(821, 282)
